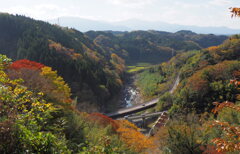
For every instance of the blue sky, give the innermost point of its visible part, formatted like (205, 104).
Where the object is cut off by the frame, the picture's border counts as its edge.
(185, 12)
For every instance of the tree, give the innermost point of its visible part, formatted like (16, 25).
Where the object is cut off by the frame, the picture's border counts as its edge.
(235, 12)
(25, 119)
(62, 92)
(230, 139)
(130, 135)
(24, 63)
(39, 78)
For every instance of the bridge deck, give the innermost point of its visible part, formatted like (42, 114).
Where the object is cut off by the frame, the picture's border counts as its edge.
(149, 115)
(133, 109)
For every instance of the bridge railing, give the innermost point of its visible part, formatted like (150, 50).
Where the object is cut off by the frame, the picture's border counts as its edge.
(160, 122)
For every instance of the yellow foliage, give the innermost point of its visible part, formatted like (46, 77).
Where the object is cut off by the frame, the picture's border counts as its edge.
(62, 91)
(17, 98)
(130, 135)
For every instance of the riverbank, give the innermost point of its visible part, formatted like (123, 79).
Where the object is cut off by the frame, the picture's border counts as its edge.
(128, 96)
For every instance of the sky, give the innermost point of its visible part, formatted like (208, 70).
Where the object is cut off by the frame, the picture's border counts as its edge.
(183, 12)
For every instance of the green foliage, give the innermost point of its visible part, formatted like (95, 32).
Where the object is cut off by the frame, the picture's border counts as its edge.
(165, 101)
(30, 124)
(204, 77)
(77, 59)
(27, 115)
(229, 115)
(151, 46)
(184, 135)
(209, 85)
(149, 80)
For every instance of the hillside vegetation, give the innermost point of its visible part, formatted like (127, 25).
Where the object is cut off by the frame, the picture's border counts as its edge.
(204, 108)
(37, 115)
(94, 76)
(57, 77)
(151, 46)
(205, 77)
(93, 63)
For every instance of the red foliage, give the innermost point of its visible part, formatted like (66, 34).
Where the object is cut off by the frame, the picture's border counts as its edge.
(104, 120)
(24, 63)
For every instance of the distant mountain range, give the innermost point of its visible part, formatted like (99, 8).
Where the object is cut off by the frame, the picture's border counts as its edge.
(135, 24)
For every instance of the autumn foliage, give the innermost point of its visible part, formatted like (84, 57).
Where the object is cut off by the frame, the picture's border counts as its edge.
(235, 12)
(41, 78)
(130, 135)
(61, 90)
(230, 141)
(118, 63)
(127, 131)
(60, 48)
(103, 120)
(24, 63)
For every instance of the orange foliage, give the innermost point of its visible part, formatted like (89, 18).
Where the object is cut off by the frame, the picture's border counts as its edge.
(220, 106)
(235, 12)
(59, 48)
(231, 140)
(213, 48)
(130, 135)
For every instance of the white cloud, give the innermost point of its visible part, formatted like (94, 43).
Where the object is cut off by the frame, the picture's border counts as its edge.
(41, 12)
(187, 12)
(220, 2)
(131, 3)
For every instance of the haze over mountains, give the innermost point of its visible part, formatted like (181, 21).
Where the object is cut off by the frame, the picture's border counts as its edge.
(84, 25)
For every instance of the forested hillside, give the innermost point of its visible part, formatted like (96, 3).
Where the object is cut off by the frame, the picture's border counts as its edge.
(37, 115)
(57, 75)
(90, 64)
(94, 76)
(204, 77)
(151, 46)
(204, 107)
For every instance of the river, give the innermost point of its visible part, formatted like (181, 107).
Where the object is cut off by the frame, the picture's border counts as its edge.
(130, 94)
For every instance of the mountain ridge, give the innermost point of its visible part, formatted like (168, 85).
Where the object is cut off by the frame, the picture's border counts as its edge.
(84, 25)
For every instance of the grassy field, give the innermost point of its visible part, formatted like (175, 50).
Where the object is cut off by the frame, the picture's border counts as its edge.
(137, 67)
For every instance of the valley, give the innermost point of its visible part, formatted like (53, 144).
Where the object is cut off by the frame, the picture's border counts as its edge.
(65, 91)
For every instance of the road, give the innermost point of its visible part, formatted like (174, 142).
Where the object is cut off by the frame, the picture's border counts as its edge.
(133, 109)
(175, 84)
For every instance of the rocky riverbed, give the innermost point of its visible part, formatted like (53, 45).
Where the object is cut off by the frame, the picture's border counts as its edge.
(130, 94)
